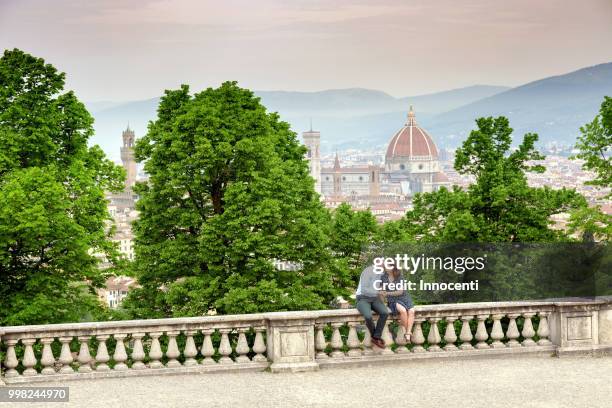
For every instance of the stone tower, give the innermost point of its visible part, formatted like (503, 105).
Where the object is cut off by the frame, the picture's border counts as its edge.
(337, 177)
(312, 140)
(374, 179)
(127, 157)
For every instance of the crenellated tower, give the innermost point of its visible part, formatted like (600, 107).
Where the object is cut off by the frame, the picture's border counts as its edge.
(127, 157)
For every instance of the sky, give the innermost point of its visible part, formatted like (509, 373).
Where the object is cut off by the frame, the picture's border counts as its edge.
(120, 50)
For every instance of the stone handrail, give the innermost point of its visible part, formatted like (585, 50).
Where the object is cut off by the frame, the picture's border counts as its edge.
(301, 340)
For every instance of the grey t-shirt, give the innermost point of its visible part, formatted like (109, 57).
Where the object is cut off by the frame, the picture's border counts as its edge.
(367, 282)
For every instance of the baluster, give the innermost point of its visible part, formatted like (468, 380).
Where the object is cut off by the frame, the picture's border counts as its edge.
(417, 338)
(528, 331)
(320, 342)
(155, 353)
(450, 337)
(353, 341)
(259, 346)
(466, 333)
(543, 330)
(47, 360)
(336, 341)
(400, 340)
(84, 357)
(138, 353)
(190, 349)
(388, 339)
(102, 356)
(120, 356)
(172, 352)
(367, 343)
(207, 347)
(513, 333)
(66, 356)
(29, 359)
(481, 332)
(433, 338)
(225, 348)
(10, 360)
(242, 347)
(497, 332)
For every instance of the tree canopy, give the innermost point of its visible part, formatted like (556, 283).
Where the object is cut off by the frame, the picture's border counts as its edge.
(53, 211)
(229, 193)
(595, 145)
(499, 206)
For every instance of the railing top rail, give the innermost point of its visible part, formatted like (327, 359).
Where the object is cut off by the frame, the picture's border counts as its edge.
(255, 318)
(261, 318)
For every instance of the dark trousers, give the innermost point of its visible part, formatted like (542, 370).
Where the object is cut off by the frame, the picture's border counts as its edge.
(365, 305)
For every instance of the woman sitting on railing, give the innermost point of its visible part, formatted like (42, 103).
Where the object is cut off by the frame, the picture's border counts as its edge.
(398, 299)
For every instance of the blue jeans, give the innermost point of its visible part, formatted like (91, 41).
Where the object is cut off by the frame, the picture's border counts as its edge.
(365, 305)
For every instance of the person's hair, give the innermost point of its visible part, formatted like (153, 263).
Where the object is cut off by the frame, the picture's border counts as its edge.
(396, 272)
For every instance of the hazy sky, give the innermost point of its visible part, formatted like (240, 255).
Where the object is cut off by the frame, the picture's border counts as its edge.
(133, 49)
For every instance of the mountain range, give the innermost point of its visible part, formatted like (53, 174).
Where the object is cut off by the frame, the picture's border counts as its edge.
(554, 107)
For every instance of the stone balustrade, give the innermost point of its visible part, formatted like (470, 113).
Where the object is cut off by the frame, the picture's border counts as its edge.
(296, 341)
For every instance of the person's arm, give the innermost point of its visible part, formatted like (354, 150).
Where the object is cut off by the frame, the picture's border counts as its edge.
(396, 292)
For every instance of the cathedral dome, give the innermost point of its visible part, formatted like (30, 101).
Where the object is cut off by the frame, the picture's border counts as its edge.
(411, 143)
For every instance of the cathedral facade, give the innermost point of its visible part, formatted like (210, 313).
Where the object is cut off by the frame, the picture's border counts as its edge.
(411, 165)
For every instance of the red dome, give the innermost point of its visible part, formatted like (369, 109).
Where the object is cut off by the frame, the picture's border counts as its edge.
(411, 142)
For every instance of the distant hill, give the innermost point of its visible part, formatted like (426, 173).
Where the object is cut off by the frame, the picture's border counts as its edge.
(553, 107)
(344, 116)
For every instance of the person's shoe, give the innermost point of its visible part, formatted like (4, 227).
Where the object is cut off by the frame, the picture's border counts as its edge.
(380, 343)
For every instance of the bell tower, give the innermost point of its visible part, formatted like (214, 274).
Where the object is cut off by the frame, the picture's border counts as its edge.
(312, 141)
(127, 157)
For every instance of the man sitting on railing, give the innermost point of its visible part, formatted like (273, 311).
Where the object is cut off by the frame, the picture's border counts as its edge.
(367, 299)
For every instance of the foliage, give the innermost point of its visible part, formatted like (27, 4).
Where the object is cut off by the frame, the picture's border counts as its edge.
(500, 206)
(595, 145)
(229, 192)
(52, 205)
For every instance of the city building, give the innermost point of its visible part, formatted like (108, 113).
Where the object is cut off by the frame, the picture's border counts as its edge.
(116, 289)
(122, 208)
(411, 164)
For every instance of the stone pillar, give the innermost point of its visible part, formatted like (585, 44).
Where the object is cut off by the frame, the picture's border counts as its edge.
(242, 347)
(497, 333)
(574, 326)
(513, 333)
(450, 337)
(605, 325)
(173, 352)
(259, 347)
(84, 357)
(29, 360)
(138, 353)
(102, 356)
(466, 333)
(47, 360)
(291, 341)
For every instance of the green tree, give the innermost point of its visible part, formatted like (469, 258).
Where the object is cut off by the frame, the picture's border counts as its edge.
(228, 193)
(349, 233)
(595, 145)
(52, 207)
(499, 206)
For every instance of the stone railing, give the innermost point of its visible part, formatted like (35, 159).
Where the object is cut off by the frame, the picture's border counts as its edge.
(296, 341)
